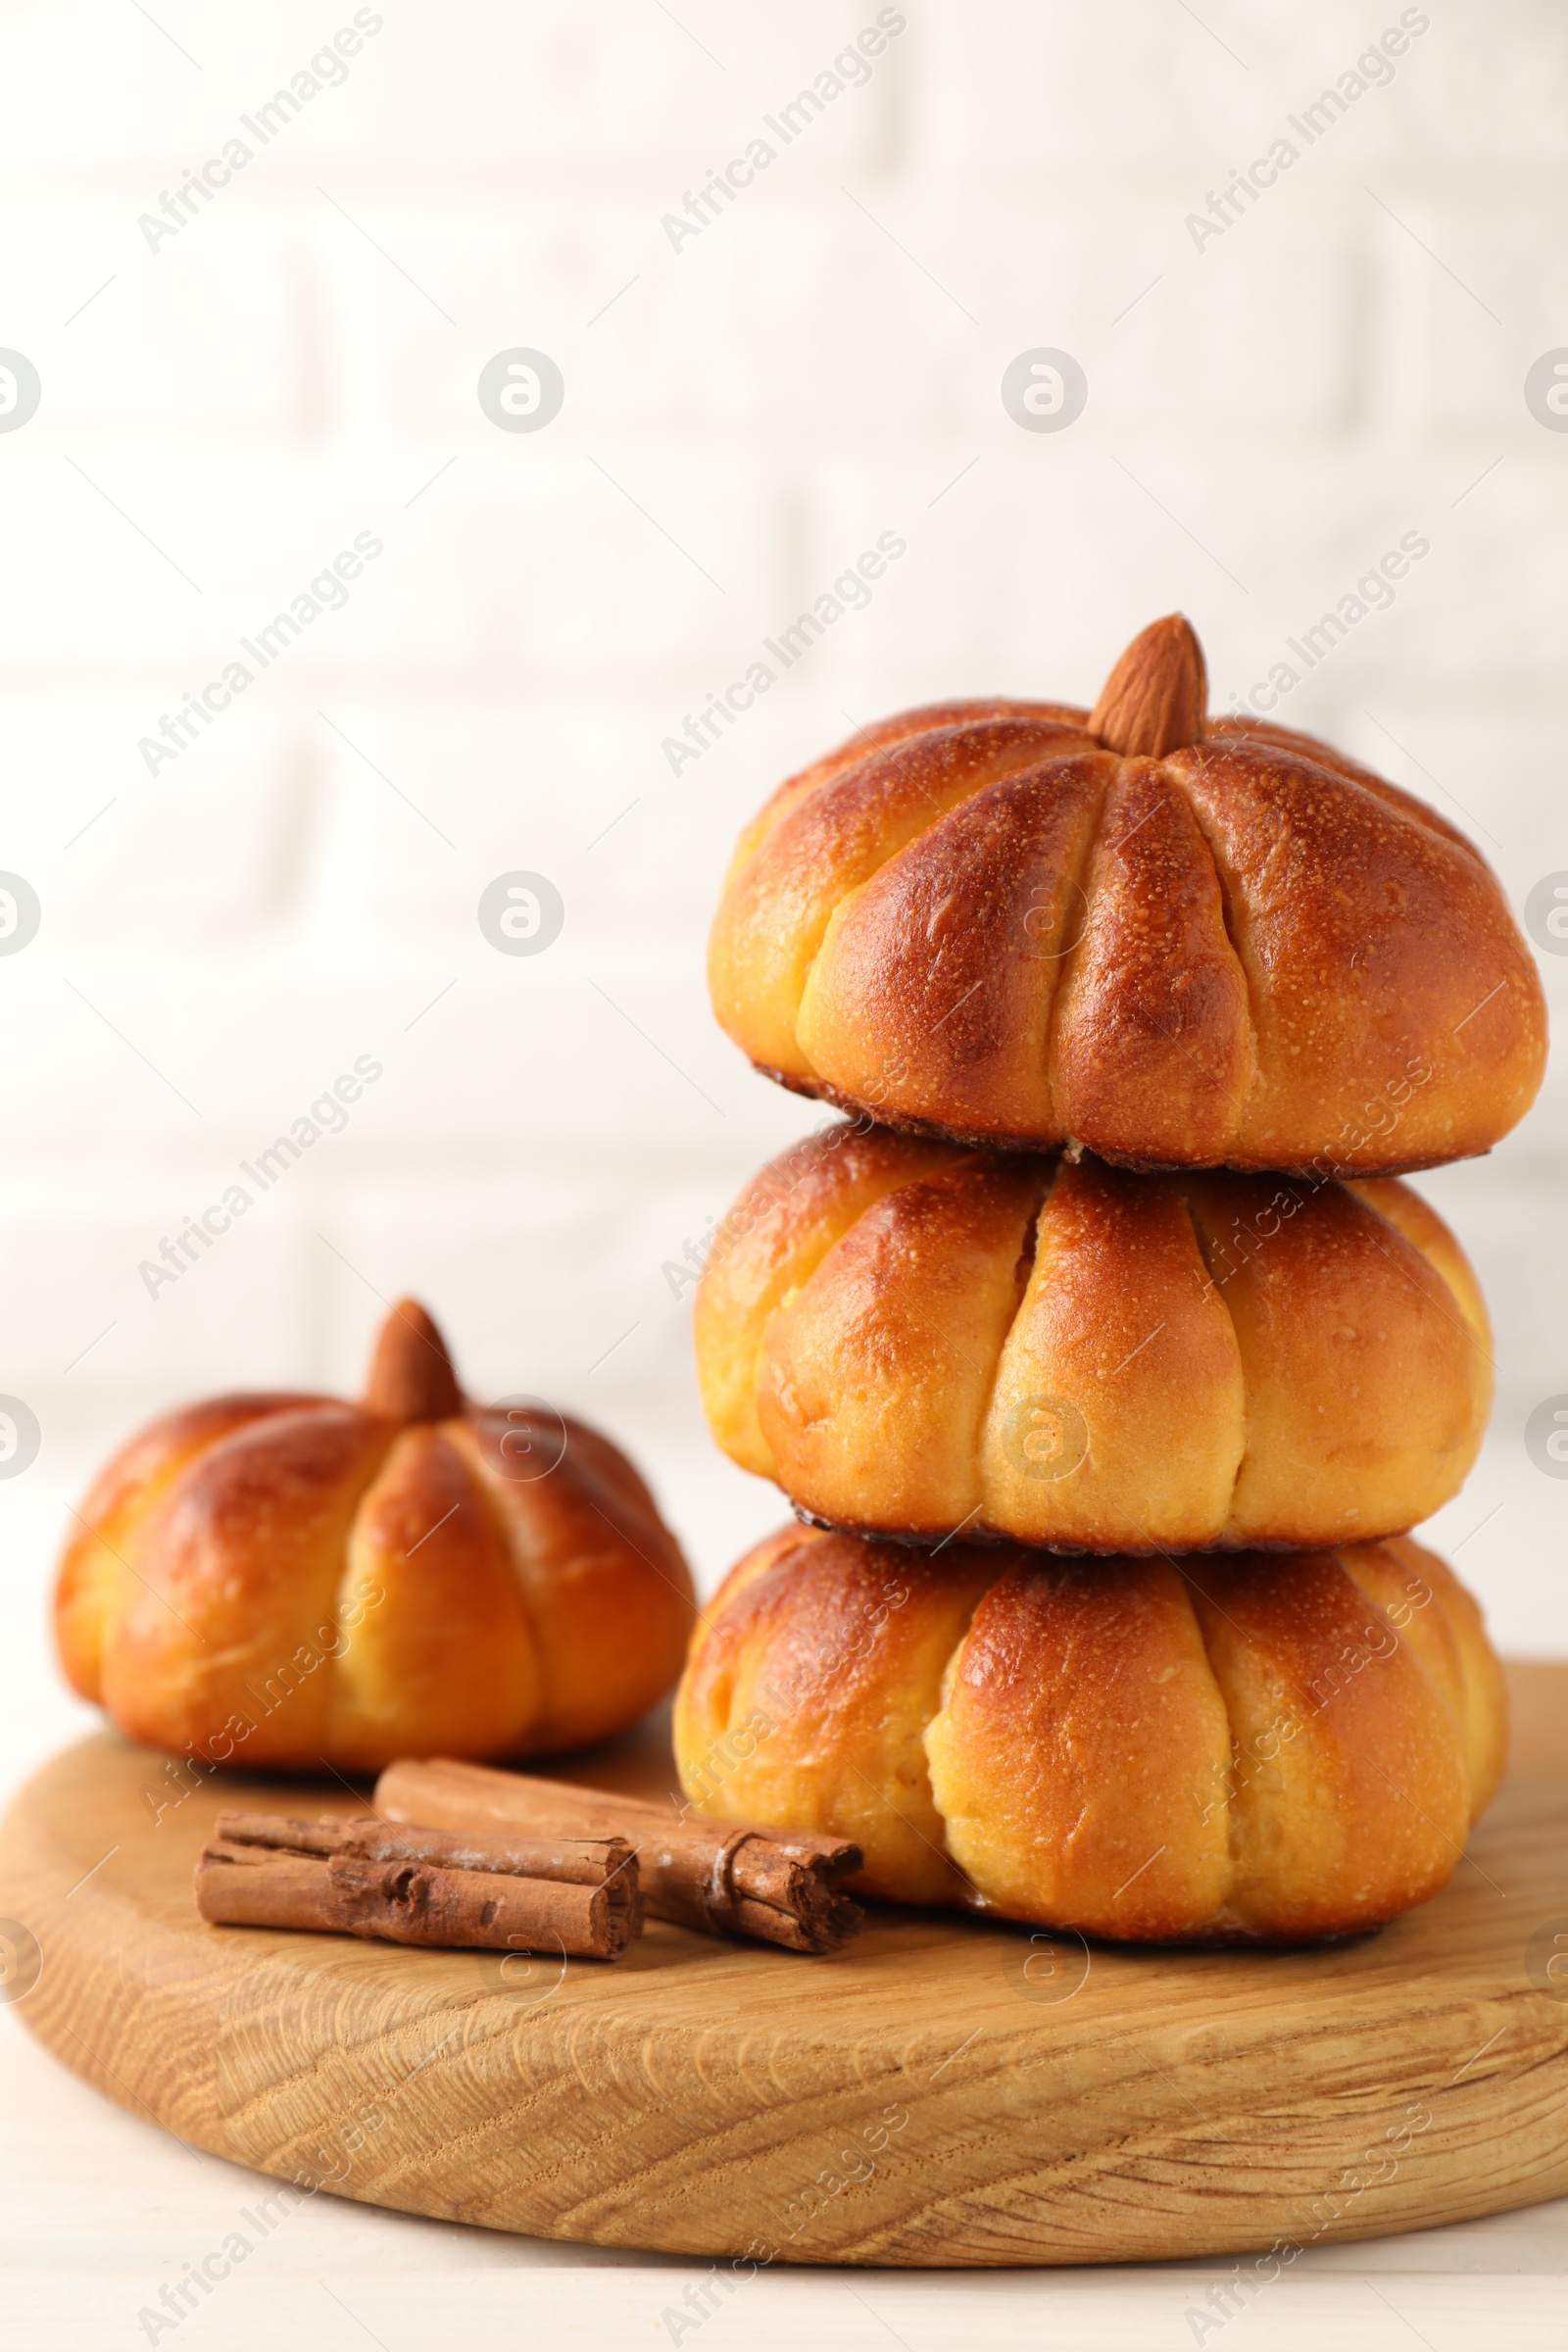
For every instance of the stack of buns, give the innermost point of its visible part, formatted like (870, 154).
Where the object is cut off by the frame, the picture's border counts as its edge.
(1098, 1349)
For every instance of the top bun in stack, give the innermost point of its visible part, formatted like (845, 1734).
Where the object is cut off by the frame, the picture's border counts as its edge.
(1176, 941)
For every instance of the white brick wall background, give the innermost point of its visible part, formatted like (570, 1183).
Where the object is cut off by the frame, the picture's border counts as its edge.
(742, 416)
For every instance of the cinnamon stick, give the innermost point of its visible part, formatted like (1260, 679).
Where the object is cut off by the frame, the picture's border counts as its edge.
(722, 1876)
(578, 1896)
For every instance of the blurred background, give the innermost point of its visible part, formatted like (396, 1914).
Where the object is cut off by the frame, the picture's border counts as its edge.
(247, 366)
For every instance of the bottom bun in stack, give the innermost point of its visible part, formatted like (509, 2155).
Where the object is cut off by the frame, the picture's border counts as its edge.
(1211, 1749)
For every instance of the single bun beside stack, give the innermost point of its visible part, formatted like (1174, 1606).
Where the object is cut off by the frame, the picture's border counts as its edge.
(296, 1580)
(1101, 1346)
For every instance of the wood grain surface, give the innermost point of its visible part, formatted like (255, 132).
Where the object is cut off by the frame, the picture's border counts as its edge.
(945, 2093)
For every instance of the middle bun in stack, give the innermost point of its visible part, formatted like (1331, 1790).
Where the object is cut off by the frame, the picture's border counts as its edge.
(914, 1339)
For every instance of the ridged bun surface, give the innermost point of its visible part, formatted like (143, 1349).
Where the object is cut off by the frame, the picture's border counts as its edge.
(1180, 943)
(1163, 1749)
(920, 1341)
(293, 1581)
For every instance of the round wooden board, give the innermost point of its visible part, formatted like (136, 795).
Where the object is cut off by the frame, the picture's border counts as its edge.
(942, 2093)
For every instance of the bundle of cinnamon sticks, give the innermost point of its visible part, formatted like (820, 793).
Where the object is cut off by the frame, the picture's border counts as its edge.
(723, 1877)
(461, 1855)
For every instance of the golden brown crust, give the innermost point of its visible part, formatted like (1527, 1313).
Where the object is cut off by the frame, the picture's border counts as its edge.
(994, 900)
(924, 720)
(124, 1492)
(1232, 727)
(292, 1581)
(831, 839)
(770, 1243)
(1152, 970)
(814, 1673)
(914, 1340)
(1184, 1748)
(1249, 952)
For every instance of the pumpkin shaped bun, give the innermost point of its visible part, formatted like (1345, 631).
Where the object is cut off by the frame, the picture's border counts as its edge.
(292, 1581)
(1179, 941)
(1252, 1748)
(915, 1339)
